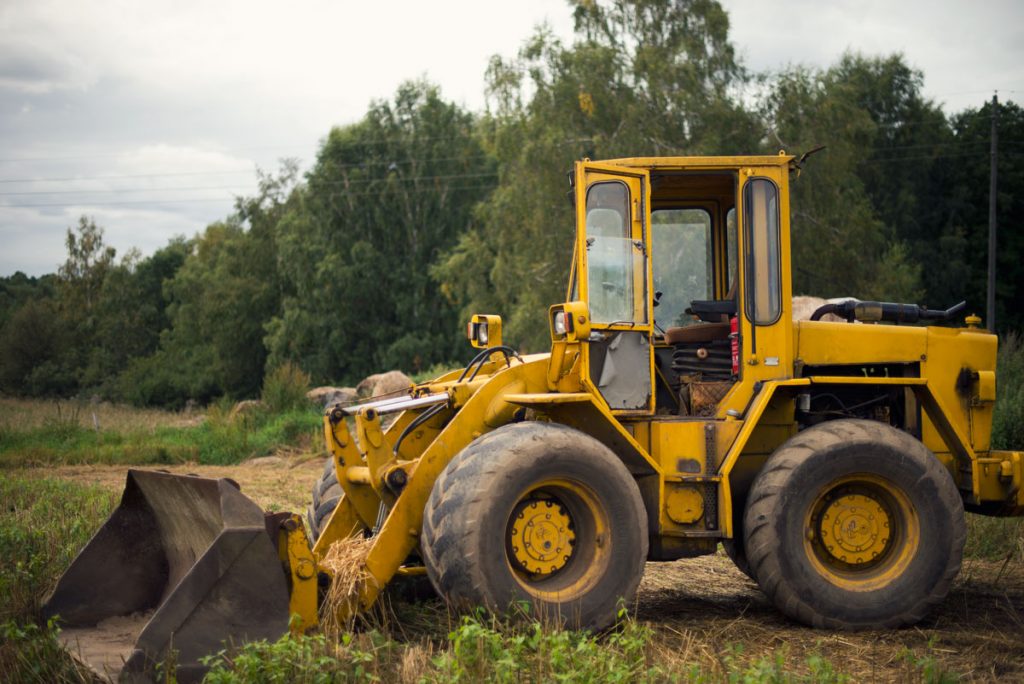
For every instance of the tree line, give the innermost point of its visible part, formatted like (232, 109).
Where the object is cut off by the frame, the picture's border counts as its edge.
(423, 212)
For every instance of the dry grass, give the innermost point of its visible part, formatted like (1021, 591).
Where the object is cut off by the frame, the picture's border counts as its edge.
(25, 414)
(346, 561)
(701, 609)
(276, 483)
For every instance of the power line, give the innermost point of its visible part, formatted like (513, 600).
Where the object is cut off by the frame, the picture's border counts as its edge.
(359, 143)
(122, 175)
(353, 165)
(332, 196)
(108, 190)
(363, 181)
(923, 158)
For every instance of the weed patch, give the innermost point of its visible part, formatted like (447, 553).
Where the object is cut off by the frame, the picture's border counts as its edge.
(43, 524)
(32, 653)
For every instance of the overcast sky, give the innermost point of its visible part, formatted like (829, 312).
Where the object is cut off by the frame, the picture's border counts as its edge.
(151, 116)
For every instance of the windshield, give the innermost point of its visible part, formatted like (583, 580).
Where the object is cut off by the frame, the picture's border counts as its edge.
(683, 263)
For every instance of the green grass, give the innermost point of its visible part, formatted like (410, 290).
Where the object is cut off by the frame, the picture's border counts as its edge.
(220, 438)
(482, 649)
(994, 538)
(43, 524)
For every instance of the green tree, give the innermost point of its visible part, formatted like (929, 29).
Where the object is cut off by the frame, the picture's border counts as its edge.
(961, 191)
(45, 343)
(17, 289)
(131, 313)
(840, 245)
(34, 345)
(387, 195)
(218, 303)
(83, 273)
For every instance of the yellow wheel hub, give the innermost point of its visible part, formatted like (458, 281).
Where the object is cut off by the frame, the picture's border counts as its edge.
(541, 536)
(855, 529)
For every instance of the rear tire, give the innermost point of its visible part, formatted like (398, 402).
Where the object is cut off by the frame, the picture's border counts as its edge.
(737, 554)
(537, 513)
(853, 524)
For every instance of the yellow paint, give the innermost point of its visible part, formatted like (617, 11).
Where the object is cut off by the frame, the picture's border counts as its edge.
(375, 450)
(684, 504)
(296, 555)
(861, 532)
(567, 532)
(540, 536)
(484, 325)
(363, 499)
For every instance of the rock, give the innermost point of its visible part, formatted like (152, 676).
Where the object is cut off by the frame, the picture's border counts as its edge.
(245, 408)
(328, 396)
(392, 382)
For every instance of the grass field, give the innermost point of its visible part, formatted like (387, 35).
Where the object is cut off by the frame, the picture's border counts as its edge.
(695, 621)
(35, 432)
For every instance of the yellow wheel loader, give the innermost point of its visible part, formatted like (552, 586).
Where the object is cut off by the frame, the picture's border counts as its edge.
(680, 407)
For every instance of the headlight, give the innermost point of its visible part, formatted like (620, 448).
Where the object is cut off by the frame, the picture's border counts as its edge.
(560, 325)
(484, 331)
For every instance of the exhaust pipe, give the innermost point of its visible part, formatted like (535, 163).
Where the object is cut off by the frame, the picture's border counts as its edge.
(184, 567)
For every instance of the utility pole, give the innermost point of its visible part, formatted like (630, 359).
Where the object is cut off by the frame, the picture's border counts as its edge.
(991, 314)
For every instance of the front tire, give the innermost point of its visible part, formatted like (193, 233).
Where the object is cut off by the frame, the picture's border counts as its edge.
(853, 524)
(327, 493)
(537, 513)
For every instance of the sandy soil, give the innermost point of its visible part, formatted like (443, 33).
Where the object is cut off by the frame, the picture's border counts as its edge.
(701, 609)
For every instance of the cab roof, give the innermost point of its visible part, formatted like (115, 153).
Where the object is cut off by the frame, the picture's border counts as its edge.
(688, 163)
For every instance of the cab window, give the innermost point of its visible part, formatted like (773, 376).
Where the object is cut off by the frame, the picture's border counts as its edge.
(682, 252)
(763, 277)
(612, 258)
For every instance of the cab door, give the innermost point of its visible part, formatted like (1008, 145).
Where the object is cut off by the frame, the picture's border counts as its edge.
(766, 325)
(612, 223)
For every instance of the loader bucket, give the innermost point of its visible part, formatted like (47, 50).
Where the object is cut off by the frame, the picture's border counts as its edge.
(183, 567)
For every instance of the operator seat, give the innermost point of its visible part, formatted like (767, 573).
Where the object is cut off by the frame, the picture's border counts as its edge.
(714, 325)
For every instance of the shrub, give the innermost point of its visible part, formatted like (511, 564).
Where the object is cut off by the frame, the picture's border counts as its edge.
(1008, 418)
(285, 388)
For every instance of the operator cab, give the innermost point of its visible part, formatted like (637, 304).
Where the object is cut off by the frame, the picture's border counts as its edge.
(678, 283)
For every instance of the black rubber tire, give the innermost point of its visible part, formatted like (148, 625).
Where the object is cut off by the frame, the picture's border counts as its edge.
(326, 495)
(468, 518)
(812, 469)
(737, 553)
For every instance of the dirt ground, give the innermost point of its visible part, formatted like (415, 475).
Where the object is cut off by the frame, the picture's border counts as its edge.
(703, 609)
